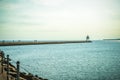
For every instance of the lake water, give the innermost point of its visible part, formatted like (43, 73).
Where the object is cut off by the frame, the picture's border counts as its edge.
(99, 60)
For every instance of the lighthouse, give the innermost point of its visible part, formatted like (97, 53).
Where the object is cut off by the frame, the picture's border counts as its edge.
(87, 38)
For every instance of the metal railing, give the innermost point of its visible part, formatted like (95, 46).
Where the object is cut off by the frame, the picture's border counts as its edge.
(6, 66)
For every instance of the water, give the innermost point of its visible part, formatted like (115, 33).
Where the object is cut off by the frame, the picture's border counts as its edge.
(99, 60)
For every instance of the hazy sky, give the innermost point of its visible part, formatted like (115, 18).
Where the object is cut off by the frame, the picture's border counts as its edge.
(59, 19)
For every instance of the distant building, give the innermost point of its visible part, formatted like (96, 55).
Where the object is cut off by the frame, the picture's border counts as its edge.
(35, 41)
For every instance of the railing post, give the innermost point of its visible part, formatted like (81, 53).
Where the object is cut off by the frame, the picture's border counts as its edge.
(2, 61)
(7, 67)
(18, 69)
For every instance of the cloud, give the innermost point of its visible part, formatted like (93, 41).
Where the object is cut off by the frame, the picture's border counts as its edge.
(14, 4)
(48, 2)
(10, 6)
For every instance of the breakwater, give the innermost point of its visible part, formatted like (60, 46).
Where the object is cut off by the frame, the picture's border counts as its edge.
(35, 42)
(9, 72)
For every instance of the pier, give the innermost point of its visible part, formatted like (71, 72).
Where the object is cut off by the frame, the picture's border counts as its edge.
(35, 42)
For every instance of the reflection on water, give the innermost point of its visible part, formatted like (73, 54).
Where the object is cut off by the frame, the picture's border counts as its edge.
(99, 60)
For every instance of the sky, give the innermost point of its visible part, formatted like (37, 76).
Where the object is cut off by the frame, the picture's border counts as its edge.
(59, 19)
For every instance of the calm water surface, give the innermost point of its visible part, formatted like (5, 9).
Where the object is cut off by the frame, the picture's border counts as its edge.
(99, 60)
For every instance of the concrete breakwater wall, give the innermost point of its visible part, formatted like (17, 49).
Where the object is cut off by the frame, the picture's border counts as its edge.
(35, 42)
(9, 72)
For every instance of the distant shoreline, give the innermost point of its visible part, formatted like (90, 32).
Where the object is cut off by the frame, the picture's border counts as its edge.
(111, 39)
(9, 43)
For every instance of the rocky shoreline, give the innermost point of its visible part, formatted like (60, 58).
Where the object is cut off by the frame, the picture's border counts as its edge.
(13, 71)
